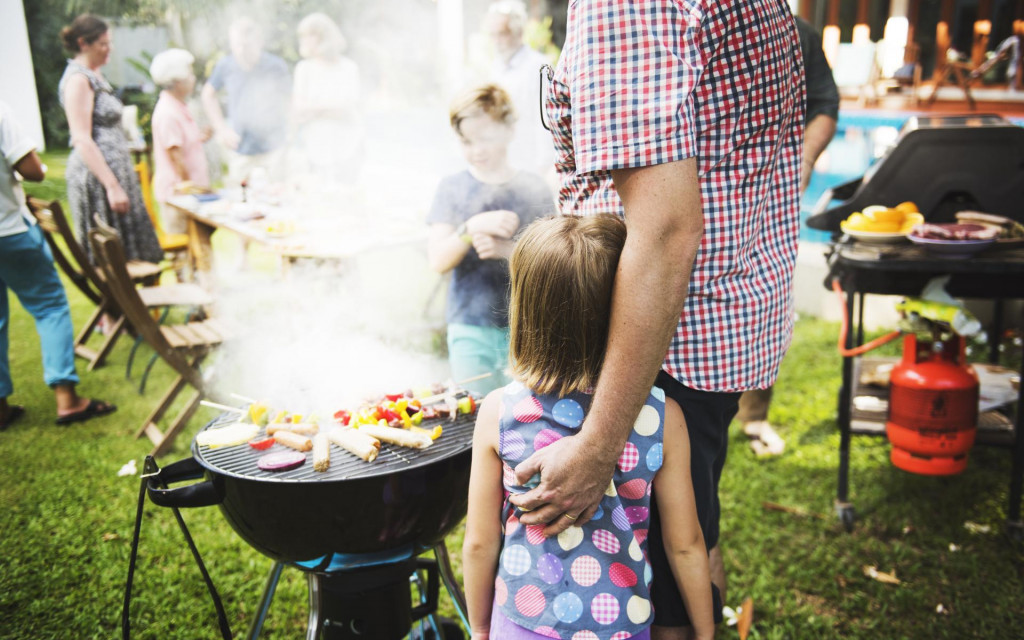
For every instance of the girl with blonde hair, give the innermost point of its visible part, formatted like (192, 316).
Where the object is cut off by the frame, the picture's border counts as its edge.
(593, 580)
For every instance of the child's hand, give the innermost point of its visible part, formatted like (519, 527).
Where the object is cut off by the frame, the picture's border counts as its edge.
(489, 247)
(500, 223)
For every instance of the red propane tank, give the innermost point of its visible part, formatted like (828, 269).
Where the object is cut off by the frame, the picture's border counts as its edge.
(933, 407)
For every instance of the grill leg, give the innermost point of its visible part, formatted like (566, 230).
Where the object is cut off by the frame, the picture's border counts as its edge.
(444, 564)
(265, 600)
(315, 624)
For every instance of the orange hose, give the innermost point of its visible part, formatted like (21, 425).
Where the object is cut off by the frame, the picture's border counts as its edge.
(844, 328)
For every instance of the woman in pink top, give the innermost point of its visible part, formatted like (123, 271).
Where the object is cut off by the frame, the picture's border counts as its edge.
(178, 153)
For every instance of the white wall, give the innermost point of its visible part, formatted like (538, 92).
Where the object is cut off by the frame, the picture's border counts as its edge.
(131, 42)
(18, 88)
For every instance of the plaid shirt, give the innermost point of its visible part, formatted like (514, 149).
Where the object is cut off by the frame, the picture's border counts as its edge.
(646, 82)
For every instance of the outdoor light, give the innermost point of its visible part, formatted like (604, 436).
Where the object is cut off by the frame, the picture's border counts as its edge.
(830, 43)
(861, 34)
(895, 38)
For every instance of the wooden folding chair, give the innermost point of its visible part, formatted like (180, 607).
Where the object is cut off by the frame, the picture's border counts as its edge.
(182, 346)
(70, 257)
(72, 260)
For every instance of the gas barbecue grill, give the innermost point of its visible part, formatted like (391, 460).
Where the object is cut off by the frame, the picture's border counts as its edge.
(356, 529)
(944, 164)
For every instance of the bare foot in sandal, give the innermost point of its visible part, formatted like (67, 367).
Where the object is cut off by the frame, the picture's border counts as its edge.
(89, 409)
(9, 413)
(72, 407)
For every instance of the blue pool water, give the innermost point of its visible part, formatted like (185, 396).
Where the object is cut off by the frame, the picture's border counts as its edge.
(860, 140)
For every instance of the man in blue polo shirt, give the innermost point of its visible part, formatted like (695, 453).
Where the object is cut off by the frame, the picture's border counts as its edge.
(257, 85)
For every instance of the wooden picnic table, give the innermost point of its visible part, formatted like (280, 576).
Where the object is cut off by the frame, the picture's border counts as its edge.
(338, 238)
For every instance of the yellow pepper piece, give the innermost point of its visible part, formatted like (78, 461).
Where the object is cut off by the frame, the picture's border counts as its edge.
(401, 405)
(296, 418)
(406, 420)
(434, 433)
(279, 417)
(257, 411)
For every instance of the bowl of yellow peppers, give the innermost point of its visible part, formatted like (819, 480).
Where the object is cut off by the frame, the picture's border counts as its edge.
(882, 224)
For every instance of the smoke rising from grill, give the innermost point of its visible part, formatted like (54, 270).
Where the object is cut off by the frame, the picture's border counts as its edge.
(319, 341)
(321, 338)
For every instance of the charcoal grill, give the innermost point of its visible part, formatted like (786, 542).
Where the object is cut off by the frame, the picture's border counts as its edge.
(357, 530)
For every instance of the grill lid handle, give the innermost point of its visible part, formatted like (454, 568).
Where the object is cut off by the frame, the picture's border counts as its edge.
(200, 494)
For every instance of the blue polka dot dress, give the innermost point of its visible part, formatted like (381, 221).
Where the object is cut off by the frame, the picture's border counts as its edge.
(590, 582)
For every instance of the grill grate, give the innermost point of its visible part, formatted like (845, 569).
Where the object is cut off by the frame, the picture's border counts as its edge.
(240, 461)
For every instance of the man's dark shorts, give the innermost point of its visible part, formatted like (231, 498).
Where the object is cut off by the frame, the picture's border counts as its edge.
(708, 415)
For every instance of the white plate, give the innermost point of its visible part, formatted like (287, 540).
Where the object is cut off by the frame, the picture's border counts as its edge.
(877, 237)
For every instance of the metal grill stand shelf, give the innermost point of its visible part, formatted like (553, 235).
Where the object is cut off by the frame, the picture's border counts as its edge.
(903, 270)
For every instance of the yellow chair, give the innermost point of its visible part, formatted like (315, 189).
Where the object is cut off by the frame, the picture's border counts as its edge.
(174, 244)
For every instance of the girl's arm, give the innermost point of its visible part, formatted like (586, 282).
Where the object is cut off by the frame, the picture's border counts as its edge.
(482, 543)
(684, 542)
(78, 104)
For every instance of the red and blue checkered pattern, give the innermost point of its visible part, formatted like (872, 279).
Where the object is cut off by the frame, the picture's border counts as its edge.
(646, 82)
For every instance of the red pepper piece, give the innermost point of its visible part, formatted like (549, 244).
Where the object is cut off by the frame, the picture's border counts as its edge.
(389, 415)
(394, 397)
(343, 416)
(261, 443)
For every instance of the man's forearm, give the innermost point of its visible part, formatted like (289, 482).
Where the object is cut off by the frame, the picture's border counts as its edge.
(817, 134)
(664, 224)
(214, 114)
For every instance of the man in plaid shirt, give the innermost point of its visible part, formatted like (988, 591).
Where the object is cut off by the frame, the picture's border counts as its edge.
(685, 116)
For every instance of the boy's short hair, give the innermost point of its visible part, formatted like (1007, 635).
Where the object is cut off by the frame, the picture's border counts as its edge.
(562, 270)
(488, 99)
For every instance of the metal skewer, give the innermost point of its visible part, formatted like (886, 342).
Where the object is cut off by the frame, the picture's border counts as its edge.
(222, 407)
(441, 396)
(242, 398)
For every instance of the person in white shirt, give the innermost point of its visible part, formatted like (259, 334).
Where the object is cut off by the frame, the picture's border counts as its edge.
(516, 69)
(329, 140)
(26, 268)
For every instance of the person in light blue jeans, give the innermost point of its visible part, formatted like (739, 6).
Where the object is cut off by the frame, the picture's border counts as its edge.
(473, 221)
(26, 268)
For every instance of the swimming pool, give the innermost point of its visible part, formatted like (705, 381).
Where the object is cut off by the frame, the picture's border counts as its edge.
(861, 139)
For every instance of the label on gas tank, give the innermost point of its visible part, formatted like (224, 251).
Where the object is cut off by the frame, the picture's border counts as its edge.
(933, 410)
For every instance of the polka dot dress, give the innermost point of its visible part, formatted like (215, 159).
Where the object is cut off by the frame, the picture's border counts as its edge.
(589, 582)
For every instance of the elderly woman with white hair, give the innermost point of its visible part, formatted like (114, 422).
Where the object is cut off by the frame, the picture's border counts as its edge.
(178, 153)
(325, 102)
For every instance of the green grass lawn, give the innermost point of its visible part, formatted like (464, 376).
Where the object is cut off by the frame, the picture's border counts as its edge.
(66, 522)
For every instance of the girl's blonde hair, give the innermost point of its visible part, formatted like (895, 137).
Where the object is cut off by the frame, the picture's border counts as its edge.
(562, 270)
(488, 99)
(330, 41)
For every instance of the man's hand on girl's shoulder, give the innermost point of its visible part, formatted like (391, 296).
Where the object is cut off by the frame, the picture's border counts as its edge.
(574, 475)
